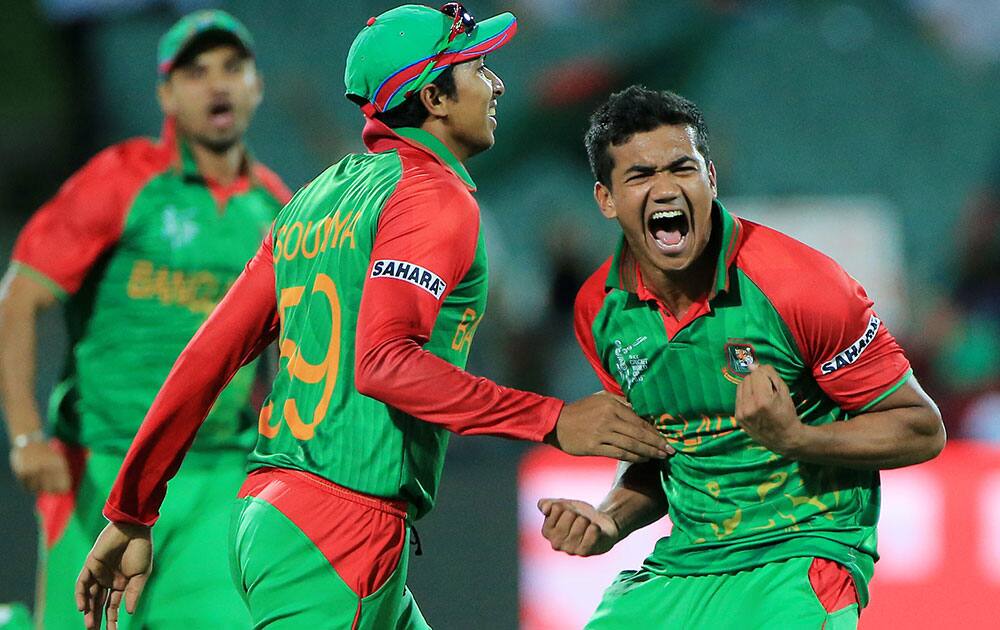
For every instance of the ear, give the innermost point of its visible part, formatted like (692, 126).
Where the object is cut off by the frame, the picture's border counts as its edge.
(605, 200)
(165, 95)
(435, 101)
(258, 88)
(712, 181)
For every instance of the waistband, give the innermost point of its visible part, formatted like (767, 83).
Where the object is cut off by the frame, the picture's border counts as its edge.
(258, 480)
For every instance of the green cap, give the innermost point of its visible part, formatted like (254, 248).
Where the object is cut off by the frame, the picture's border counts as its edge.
(193, 26)
(405, 48)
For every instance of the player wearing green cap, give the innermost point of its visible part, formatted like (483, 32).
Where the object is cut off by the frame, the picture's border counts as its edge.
(139, 245)
(373, 280)
(764, 364)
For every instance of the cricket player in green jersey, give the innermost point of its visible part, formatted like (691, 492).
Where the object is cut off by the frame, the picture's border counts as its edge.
(373, 280)
(765, 366)
(139, 245)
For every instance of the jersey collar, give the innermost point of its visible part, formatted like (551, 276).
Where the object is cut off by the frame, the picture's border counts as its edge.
(624, 272)
(183, 157)
(378, 137)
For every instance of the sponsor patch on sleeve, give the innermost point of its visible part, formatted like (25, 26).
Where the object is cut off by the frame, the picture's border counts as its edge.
(409, 272)
(851, 354)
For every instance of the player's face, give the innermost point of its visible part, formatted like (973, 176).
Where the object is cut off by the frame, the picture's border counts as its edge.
(472, 112)
(661, 193)
(213, 97)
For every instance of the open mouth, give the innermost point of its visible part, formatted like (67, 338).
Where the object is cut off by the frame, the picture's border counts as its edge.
(668, 229)
(221, 114)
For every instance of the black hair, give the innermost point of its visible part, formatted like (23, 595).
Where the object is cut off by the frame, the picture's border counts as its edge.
(637, 109)
(207, 41)
(411, 112)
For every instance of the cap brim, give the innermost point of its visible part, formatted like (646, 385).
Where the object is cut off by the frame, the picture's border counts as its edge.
(490, 35)
(219, 34)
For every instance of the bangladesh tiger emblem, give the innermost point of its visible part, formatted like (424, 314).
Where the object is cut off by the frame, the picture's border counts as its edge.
(740, 356)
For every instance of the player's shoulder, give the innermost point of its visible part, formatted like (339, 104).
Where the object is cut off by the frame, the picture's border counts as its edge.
(771, 256)
(272, 183)
(788, 271)
(425, 182)
(590, 297)
(120, 169)
(140, 153)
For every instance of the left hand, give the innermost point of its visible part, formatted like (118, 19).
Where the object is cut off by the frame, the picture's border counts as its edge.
(116, 568)
(577, 527)
(764, 409)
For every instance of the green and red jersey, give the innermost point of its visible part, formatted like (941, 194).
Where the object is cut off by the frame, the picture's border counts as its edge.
(141, 247)
(733, 503)
(374, 281)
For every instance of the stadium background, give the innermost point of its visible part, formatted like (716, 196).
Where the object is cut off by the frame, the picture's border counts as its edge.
(873, 127)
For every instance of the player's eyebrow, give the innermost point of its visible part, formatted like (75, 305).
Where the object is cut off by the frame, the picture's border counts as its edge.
(646, 169)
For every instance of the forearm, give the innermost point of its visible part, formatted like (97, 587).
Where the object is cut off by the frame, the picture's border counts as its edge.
(199, 375)
(18, 361)
(17, 378)
(871, 441)
(403, 375)
(637, 498)
(238, 330)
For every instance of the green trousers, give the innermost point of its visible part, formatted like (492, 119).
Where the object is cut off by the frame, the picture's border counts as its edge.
(190, 586)
(777, 595)
(308, 554)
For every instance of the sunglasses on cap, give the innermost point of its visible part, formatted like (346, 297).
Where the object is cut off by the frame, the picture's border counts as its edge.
(463, 22)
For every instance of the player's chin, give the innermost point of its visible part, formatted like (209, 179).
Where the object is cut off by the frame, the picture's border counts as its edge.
(217, 142)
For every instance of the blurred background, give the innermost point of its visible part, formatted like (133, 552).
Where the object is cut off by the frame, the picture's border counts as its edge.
(868, 129)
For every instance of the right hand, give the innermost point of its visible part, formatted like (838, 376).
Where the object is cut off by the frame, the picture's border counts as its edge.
(577, 527)
(116, 568)
(605, 425)
(40, 468)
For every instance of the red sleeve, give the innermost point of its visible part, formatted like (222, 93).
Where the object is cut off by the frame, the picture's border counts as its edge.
(86, 217)
(843, 342)
(238, 330)
(434, 227)
(588, 304)
(272, 183)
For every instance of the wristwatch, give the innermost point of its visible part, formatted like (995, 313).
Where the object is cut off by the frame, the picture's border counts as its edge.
(24, 439)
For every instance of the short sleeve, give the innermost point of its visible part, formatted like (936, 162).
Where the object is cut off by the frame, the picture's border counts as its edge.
(844, 343)
(64, 238)
(589, 301)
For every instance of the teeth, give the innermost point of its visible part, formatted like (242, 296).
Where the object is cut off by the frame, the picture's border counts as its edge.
(666, 214)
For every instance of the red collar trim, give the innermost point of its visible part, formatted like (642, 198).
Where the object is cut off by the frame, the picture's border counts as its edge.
(379, 138)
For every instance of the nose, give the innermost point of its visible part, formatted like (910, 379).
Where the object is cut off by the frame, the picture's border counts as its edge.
(498, 86)
(219, 81)
(665, 188)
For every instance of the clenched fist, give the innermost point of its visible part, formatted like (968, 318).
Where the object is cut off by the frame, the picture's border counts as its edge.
(577, 527)
(40, 467)
(764, 409)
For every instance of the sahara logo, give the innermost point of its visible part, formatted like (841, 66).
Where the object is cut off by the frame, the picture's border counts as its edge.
(853, 352)
(408, 272)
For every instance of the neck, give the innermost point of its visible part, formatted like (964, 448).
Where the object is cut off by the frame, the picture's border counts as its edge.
(679, 290)
(223, 168)
(436, 127)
